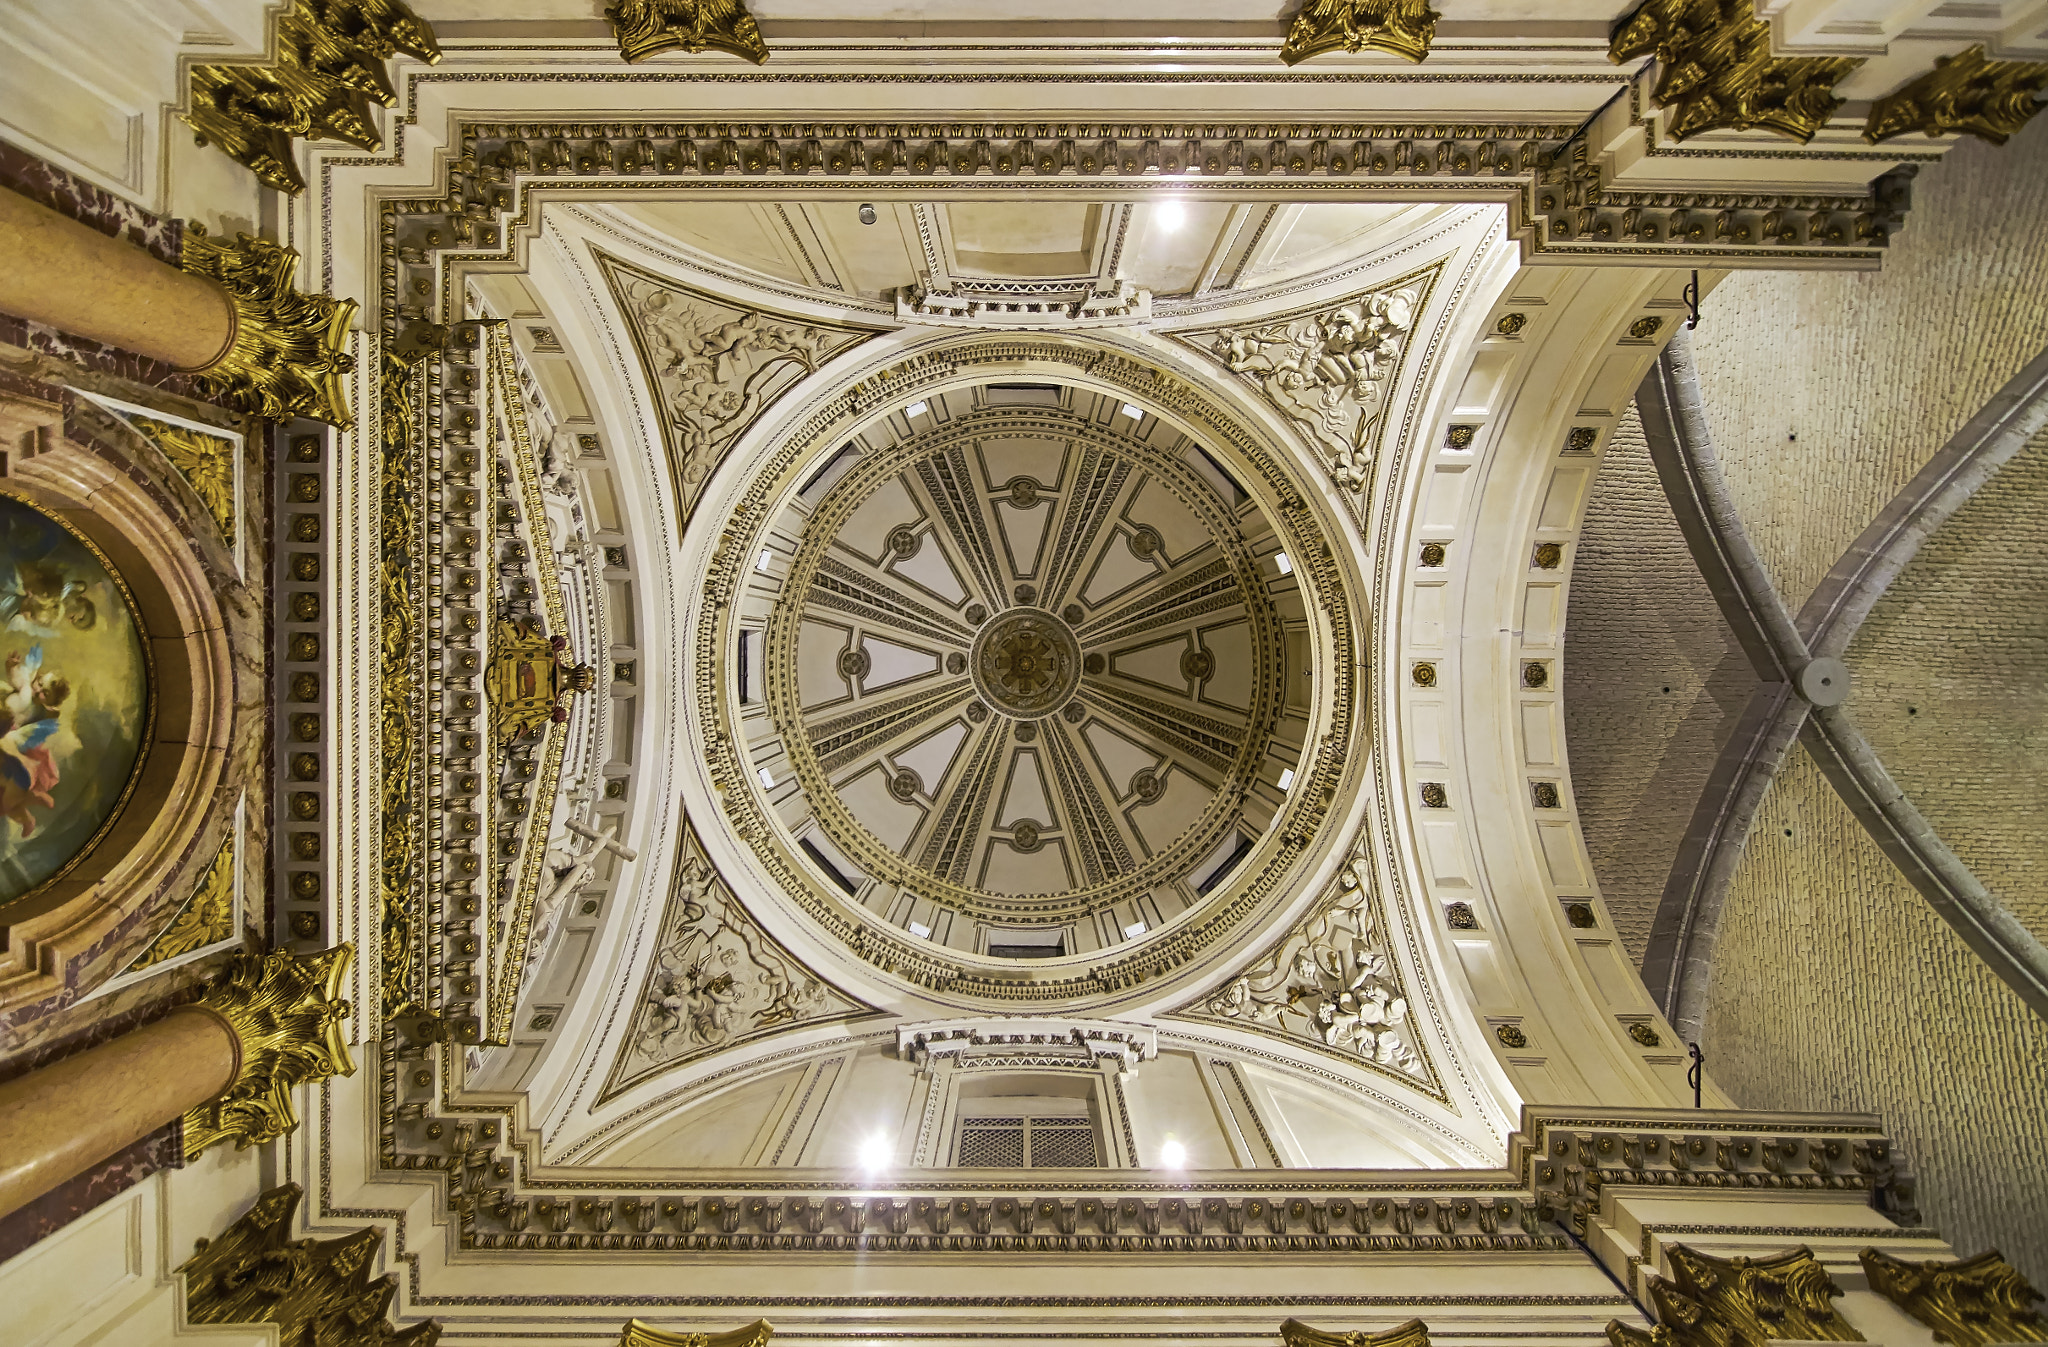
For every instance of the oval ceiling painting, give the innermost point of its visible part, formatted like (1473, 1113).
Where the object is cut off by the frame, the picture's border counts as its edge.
(74, 697)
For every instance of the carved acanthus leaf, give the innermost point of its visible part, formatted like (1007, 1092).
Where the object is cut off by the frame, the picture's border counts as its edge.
(329, 69)
(205, 461)
(1403, 27)
(1330, 982)
(1967, 93)
(1715, 70)
(646, 28)
(717, 979)
(289, 355)
(714, 366)
(1973, 1302)
(288, 1012)
(1330, 372)
(207, 918)
(313, 1290)
(1739, 1302)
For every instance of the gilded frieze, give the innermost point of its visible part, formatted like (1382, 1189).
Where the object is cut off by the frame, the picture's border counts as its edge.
(401, 688)
(1330, 371)
(1331, 981)
(717, 981)
(713, 366)
(329, 69)
(1716, 70)
(647, 28)
(1403, 27)
(1972, 1302)
(1968, 94)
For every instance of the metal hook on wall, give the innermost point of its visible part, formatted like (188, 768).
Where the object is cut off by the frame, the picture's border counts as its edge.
(1692, 303)
(1694, 1074)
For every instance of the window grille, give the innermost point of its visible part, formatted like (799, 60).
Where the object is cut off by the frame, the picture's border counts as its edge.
(1027, 1143)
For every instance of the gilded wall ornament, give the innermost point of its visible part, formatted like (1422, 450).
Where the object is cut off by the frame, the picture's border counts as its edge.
(207, 918)
(329, 69)
(289, 355)
(528, 678)
(1715, 70)
(713, 366)
(1972, 1302)
(288, 1012)
(1739, 1302)
(641, 1334)
(206, 462)
(1414, 1333)
(1966, 93)
(1403, 27)
(1331, 982)
(646, 28)
(1330, 371)
(717, 979)
(313, 1290)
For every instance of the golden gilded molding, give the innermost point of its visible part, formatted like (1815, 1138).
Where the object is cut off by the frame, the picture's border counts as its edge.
(639, 1333)
(289, 1014)
(1969, 1303)
(288, 356)
(1739, 1302)
(1967, 93)
(1414, 1333)
(329, 69)
(314, 1290)
(206, 462)
(646, 28)
(399, 684)
(1715, 70)
(1403, 27)
(207, 918)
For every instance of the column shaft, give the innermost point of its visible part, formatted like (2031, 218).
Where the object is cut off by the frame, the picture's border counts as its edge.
(71, 276)
(60, 1120)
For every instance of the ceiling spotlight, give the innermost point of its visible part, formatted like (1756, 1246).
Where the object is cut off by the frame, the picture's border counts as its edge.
(867, 213)
(1286, 777)
(767, 779)
(917, 409)
(1172, 1154)
(1134, 930)
(1172, 215)
(876, 1152)
(1286, 566)
(1134, 411)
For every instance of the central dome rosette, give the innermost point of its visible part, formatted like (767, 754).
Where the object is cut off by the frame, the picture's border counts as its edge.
(1021, 672)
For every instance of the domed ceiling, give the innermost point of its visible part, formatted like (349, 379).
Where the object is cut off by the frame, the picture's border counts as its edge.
(1036, 673)
(1024, 673)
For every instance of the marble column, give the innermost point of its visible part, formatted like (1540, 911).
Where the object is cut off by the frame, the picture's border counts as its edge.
(66, 1117)
(72, 277)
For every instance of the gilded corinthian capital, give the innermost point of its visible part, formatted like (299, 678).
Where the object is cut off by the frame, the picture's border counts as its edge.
(288, 356)
(647, 27)
(1967, 93)
(1403, 27)
(329, 69)
(287, 1012)
(1739, 1302)
(1969, 1303)
(1715, 70)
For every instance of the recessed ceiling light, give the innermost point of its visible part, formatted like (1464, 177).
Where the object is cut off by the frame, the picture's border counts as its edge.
(1134, 930)
(1134, 411)
(1286, 566)
(917, 409)
(1172, 215)
(1286, 777)
(768, 779)
(920, 930)
(762, 562)
(1172, 1154)
(876, 1152)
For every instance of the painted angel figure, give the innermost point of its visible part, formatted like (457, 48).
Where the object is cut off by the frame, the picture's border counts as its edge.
(37, 596)
(33, 737)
